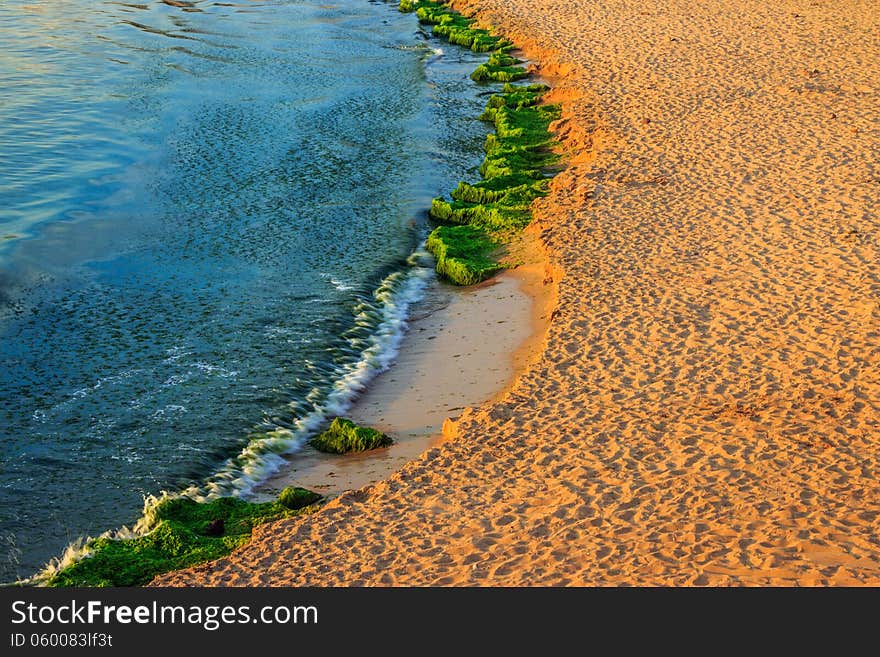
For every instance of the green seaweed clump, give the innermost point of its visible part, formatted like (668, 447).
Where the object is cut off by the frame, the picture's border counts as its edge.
(184, 533)
(501, 67)
(519, 161)
(294, 498)
(344, 436)
(454, 27)
(462, 253)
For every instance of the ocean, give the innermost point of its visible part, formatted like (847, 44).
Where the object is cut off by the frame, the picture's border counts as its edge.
(211, 218)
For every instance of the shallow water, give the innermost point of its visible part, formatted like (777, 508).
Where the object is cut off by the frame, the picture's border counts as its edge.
(207, 218)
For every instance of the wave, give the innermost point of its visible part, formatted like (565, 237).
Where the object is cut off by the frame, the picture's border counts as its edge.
(379, 327)
(264, 454)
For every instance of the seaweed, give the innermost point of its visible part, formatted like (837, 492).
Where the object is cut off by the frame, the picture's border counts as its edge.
(488, 216)
(344, 436)
(184, 533)
(501, 67)
(519, 156)
(519, 160)
(454, 27)
(462, 253)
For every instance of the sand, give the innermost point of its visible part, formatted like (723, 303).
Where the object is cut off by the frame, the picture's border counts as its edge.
(705, 407)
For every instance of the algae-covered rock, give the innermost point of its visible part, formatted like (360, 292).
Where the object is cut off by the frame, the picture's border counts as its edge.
(501, 67)
(185, 533)
(454, 27)
(297, 498)
(520, 156)
(344, 436)
(463, 253)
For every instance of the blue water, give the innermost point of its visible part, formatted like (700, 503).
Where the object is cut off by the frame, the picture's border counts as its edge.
(209, 227)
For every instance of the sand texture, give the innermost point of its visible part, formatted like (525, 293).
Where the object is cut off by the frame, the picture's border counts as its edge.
(705, 410)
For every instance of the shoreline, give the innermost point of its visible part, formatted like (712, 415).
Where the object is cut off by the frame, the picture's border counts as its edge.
(416, 399)
(458, 319)
(463, 348)
(704, 412)
(422, 396)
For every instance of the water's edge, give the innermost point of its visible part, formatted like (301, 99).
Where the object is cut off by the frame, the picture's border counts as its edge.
(269, 450)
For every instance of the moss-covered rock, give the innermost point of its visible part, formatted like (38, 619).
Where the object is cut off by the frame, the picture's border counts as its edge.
(297, 498)
(344, 436)
(519, 160)
(519, 156)
(184, 533)
(454, 27)
(501, 67)
(463, 253)
(489, 216)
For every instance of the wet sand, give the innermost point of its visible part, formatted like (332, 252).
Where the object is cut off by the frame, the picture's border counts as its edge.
(462, 348)
(705, 407)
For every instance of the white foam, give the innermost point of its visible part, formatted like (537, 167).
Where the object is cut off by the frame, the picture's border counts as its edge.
(264, 455)
(340, 285)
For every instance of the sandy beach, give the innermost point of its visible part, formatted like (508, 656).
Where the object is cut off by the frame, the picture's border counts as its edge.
(462, 348)
(704, 406)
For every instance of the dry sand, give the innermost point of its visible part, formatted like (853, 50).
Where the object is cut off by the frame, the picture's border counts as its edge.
(705, 408)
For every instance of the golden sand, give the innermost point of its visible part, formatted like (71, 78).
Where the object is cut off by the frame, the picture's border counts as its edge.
(705, 408)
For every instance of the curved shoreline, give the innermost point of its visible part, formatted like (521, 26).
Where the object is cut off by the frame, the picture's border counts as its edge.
(704, 411)
(523, 278)
(465, 353)
(531, 278)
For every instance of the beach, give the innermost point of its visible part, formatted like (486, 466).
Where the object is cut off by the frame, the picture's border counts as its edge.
(702, 409)
(462, 347)
(187, 290)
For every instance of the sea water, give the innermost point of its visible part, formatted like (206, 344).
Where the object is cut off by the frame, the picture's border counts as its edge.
(210, 225)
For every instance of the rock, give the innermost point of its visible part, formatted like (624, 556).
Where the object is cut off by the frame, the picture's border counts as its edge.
(216, 527)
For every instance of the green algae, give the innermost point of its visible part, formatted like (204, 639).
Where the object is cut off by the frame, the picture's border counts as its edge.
(519, 160)
(344, 436)
(294, 498)
(454, 27)
(501, 67)
(463, 253)
(519, 156)
(184, 533)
